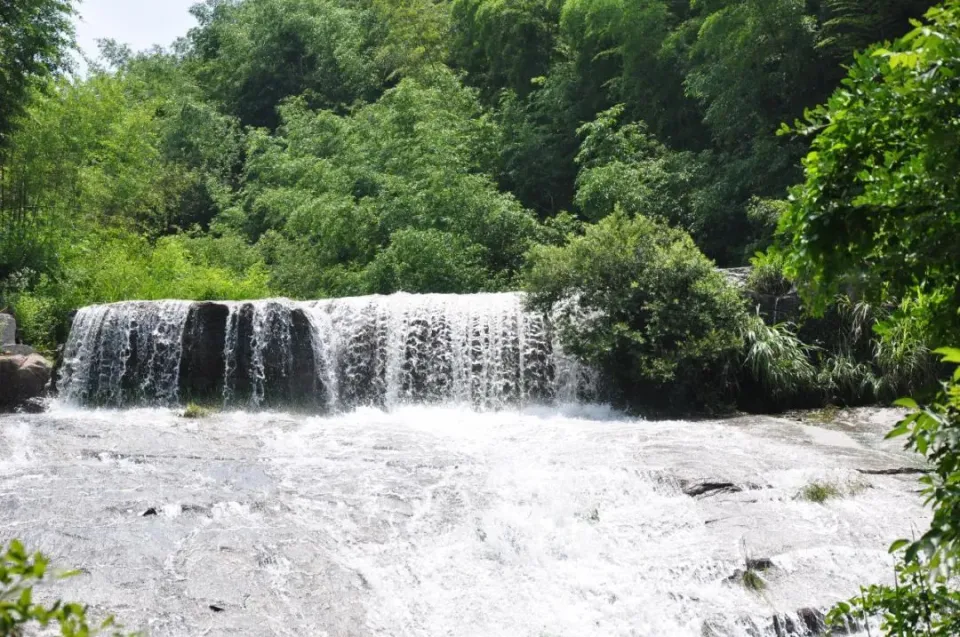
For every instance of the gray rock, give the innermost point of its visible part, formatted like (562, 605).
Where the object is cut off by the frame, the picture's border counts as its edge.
(22, 378)
(8, 330)
(33, 406)
(18, 350)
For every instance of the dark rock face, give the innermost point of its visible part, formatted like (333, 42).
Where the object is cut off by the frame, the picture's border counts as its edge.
(22, 378)
(202, 361)
(773, 308)
(808, 621)
(271, 361)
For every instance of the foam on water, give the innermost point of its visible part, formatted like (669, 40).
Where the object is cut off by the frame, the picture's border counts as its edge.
(427, 521)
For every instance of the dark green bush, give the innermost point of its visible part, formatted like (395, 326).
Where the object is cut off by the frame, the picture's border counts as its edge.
(638, 299)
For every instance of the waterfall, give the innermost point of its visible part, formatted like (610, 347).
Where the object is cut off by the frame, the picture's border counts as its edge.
(481, 349)
(125, 352)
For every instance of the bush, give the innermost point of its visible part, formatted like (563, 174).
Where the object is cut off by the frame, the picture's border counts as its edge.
(120, 266)
(638, 299)
(767, 275)
(776, 363)
(428, 261)
(819, 492)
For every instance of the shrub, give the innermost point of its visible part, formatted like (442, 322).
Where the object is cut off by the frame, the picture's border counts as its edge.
(777, 371)
(879, 206)
(819, 492)
(767, 275)
(428, 261)
(638, 300)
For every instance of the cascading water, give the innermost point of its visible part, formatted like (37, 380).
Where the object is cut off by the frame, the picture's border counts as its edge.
(484, 349)
(126, 352)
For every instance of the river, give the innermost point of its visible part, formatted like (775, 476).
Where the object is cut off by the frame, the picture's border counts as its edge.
(448, 521)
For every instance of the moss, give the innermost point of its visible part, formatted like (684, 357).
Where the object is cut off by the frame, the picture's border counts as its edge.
(820, 492)
(195, 411)
(752, 581)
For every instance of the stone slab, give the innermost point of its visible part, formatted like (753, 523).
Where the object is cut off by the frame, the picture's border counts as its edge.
(8, 330)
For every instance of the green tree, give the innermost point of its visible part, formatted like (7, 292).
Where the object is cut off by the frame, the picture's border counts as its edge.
(504, 44)
(331, 192)
(880, 208)
(625, 166)
(35, 36)
(637, 299)
(251, 55)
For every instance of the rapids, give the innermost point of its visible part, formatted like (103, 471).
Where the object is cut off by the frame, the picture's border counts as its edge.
(429, 521)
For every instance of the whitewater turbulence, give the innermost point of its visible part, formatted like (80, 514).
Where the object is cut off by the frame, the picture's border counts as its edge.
(482, 349)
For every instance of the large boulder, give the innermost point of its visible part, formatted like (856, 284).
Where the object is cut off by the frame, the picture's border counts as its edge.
(22, 378)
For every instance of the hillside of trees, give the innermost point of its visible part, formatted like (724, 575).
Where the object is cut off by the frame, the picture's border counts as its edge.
(609, 151)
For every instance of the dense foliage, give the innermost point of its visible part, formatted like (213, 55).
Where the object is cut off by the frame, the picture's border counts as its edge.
(34, 36)
(327, 147)
(880, 208)
(638, 299)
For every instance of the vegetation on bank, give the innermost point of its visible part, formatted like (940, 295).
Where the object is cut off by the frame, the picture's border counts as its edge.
(313, 148)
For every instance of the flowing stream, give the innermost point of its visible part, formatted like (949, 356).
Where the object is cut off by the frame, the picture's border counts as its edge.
(447, 483)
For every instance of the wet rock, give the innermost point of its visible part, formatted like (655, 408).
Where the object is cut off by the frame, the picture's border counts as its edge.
(807, 622)
(21, 379)
(32, 406)
(814, 620)
(18, 350)
(201, 364)
(759, 563)
(8, 331)
(901, 471)
(707, 489)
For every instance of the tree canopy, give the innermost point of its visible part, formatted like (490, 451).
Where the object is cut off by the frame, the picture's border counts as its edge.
(879, 210)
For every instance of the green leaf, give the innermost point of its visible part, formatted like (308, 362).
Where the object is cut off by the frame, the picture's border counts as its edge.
(899, 544)
(948, 354)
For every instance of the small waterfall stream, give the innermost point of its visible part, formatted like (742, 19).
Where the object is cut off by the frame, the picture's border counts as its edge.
(482, 349)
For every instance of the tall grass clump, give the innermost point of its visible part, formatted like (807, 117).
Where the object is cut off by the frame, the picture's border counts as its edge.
(777, 362)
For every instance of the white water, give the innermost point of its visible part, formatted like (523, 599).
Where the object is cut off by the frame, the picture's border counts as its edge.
(480, 349)
(104, 338)
(436, 521)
